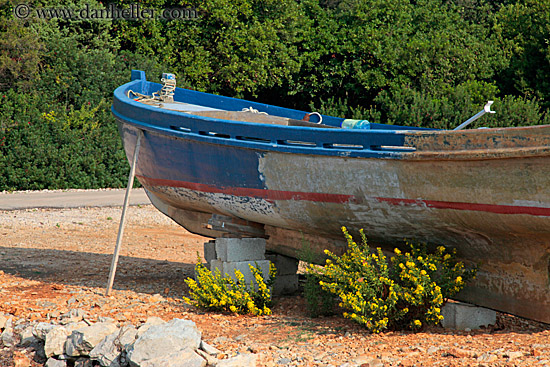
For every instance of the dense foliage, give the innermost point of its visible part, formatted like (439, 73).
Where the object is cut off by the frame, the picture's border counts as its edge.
(431, 63)
(406, 292)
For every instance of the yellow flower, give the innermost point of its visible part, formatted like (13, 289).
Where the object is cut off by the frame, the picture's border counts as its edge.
(417, 323)
(397, 251)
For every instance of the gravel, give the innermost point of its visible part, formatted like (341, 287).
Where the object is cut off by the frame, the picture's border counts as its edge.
(55, 261)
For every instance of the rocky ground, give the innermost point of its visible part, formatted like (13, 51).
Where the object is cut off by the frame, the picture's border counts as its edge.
(55, 261)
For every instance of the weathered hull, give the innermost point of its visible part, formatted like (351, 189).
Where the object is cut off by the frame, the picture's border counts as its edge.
(474, 191)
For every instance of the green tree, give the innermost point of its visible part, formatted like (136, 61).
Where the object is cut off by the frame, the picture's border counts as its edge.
(20, 55)
(526, 24)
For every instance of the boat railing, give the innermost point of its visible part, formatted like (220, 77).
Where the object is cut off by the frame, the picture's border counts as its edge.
(213, 124)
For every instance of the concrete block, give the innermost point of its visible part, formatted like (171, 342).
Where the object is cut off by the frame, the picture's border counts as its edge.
(210, 251)
(240, 249)
(228, 268)
(285, 265)
(461, 316)
(285, 284)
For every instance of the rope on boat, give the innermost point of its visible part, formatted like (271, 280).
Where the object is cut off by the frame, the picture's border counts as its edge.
(142, 97)
(166, 93)
(253, 110)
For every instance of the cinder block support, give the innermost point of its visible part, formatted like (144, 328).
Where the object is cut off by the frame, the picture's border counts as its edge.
(230, 254)
(285, 265)
(229, 268)
(210, 251)
(461, 316)
(286, 281)
(240, 249)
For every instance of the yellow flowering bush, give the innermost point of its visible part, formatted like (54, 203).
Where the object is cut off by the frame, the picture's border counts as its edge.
(212, 291)
(404, 293)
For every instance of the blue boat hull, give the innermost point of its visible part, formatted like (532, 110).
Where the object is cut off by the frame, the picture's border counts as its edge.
(490, 200)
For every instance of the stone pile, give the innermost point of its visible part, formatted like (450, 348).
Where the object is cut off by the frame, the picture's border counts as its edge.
(78, 342)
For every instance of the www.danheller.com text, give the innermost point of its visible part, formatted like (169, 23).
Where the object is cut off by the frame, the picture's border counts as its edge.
(111, 11)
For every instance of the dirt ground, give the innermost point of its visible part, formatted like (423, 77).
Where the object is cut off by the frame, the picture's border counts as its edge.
(52, 261)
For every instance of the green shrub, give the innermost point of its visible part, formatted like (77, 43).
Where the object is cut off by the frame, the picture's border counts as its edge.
(432, 63)
(319, 302)
(405, 293)
(449, 107)
(525, 26)
(47, 147)
(213, 292)
(20, 53)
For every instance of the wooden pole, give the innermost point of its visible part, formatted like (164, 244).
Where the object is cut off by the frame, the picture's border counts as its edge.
(114, 262)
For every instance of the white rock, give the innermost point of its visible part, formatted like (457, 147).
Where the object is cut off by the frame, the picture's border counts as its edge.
(127, 336)
(514, 355)
(9, 323)
(210, 360)
(242, 360)
(3, 320)
(107, 351)
(161, 340)
(52, 362)
(105, 319)
(41, 329)
(487, 358)
(209, 349)
(75, 326)
(182, 358)
(26, 336)
(151, 321)
(55, 341)
(83, 340)
(7, 337)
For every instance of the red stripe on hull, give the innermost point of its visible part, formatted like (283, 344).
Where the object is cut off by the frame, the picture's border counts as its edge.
(274, 195)
(269, 195)
(489, 208)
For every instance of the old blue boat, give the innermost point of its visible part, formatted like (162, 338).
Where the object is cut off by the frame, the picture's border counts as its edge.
(222, 165)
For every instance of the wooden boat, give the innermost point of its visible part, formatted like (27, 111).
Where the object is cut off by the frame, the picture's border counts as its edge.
(216, 169)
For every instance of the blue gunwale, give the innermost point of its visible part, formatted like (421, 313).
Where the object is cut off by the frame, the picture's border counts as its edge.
(380, 141)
